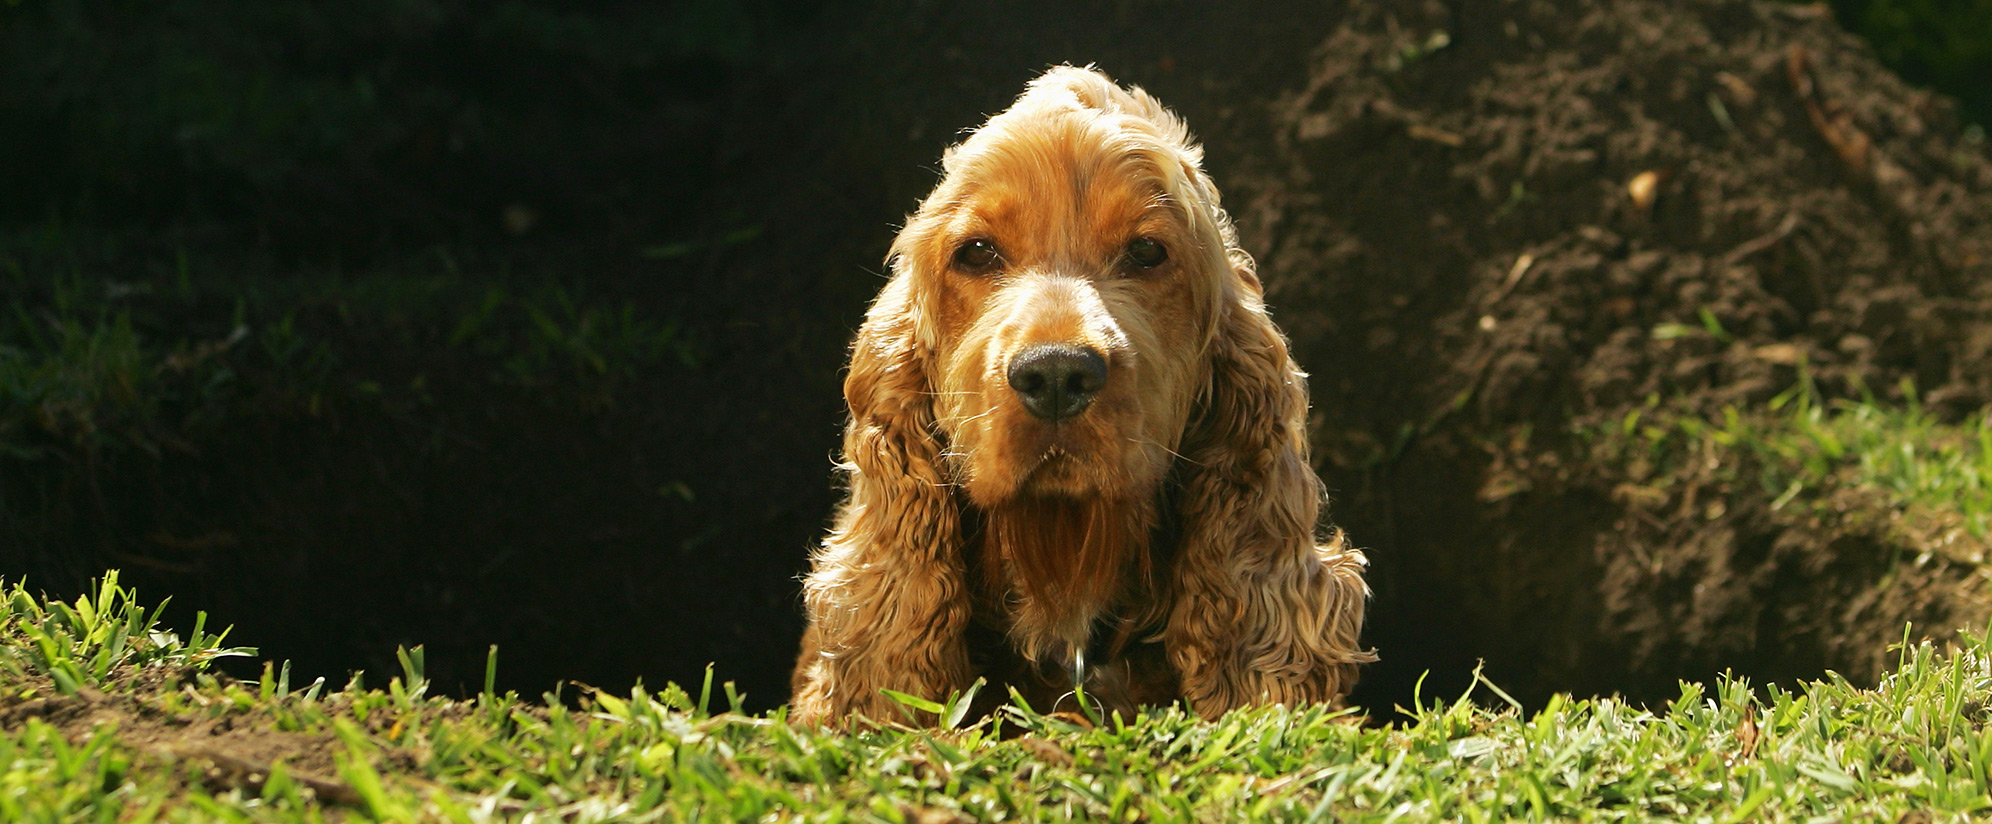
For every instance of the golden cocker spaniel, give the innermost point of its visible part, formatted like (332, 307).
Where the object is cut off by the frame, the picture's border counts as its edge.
(1077, 451)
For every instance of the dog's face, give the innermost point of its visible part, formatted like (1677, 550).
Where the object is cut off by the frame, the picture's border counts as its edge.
(1071, 267)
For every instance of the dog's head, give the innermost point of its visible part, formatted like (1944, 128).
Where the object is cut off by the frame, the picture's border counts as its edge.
(1068, 271)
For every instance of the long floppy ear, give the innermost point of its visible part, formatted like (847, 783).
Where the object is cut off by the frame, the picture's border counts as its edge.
(887, 601)
(1263, 612)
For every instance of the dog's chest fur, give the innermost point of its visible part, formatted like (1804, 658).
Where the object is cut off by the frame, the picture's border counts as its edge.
(1053, 578)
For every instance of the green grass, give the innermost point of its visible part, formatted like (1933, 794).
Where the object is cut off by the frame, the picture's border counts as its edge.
(158, 358)
(1800, 449)
(103, 717)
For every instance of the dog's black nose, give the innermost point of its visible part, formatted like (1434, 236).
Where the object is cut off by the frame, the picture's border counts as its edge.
(1057, 380)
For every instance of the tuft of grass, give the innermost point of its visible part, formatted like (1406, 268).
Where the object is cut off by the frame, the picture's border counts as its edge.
(1801, 448)
(1723, 752)
(70, 379)
(100, 635)
(548, 335)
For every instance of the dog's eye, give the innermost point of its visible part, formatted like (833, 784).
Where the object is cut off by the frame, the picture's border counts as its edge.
(977, 255)
(1146, 253)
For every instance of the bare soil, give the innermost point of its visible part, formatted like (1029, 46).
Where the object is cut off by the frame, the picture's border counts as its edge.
(1456, 236)
(221, 750)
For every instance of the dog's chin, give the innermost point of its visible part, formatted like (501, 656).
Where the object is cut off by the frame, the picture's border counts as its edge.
(1054, 473)
(1062, 475)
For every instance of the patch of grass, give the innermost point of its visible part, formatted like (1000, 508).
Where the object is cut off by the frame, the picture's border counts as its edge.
(116, 741)
(69, 377)
(546, 336)
(81, 375)
(163, 350)
(86, 642)
(1800, 448)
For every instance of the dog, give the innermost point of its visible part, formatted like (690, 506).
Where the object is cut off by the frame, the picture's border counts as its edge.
(1077, 454)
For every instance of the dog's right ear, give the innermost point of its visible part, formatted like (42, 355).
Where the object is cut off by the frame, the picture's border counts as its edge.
(887, 600)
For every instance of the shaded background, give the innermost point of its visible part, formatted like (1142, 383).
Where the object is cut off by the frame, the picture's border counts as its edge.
(395, 322)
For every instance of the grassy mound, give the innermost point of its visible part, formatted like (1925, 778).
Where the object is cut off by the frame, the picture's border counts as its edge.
(103, 717)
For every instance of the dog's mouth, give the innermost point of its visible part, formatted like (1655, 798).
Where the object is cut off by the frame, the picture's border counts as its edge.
(1058, 470)
(1052, 460)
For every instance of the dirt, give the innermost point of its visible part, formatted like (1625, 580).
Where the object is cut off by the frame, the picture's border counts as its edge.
(1454, 235)
(224, 749)
(1472, 219)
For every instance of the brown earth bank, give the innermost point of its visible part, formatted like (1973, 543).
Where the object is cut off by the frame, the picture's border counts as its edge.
(1472, 219)
(1457, 238)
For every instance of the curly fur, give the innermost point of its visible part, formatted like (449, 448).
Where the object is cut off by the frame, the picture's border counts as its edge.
(1169, 531)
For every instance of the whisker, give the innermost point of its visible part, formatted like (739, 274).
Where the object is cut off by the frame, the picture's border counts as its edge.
(1179, 456)
(984, 414)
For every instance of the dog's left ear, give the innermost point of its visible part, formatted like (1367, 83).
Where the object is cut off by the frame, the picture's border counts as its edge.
(887, 599)
(1264, 613)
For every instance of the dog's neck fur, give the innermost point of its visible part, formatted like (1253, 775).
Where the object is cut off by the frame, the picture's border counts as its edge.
(1058, 564)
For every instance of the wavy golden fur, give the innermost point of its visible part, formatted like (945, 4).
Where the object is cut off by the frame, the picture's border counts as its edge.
(1165, 531)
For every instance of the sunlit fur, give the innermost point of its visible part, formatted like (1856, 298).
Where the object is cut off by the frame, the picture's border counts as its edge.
(1198, 434)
